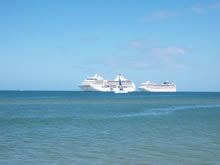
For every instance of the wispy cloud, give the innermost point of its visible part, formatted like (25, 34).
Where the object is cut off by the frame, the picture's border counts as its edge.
(168, 56)
(170, 50)
(111, 61)
(147, 57)
(142, 42)
(139, 64)
(215, 5)
(160, 15)
(179, 65)
(205, 9)
(88, 39)
(198, 10)
(131, 62)
(163, 14)
(136, 43)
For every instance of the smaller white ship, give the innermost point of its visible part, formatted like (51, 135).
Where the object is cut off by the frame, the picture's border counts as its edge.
(153, 87)
(120, 88)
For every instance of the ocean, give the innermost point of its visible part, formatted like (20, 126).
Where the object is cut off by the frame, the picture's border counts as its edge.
(54, 127)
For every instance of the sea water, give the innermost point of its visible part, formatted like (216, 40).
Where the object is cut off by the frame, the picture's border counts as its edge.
(106, 128)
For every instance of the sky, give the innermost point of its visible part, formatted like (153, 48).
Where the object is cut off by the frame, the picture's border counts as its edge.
(55, 45)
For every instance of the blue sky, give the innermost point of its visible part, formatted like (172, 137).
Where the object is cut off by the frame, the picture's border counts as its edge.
(54, 45)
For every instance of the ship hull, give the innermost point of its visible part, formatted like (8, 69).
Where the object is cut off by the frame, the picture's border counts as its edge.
(94, 88)
(150, 89)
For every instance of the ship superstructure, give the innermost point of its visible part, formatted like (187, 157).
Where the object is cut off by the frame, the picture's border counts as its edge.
(97, 83)
(153, 87)
(120, 87)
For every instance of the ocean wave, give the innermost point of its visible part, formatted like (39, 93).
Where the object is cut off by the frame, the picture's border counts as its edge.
(166, 110)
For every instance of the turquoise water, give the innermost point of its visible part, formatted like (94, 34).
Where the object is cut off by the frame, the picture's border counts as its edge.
(105, 128)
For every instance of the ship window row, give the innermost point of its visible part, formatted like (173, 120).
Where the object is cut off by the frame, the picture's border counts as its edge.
(159, 86)
(114, 86)
(112, 83)
(116, 83)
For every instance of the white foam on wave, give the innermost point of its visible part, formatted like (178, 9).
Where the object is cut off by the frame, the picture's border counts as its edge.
(167, 110)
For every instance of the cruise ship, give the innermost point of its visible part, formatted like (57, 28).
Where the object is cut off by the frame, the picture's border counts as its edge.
(153, 87)
(97, 83)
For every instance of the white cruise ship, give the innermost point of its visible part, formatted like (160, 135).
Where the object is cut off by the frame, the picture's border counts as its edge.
(97, 83)
(153, 87)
